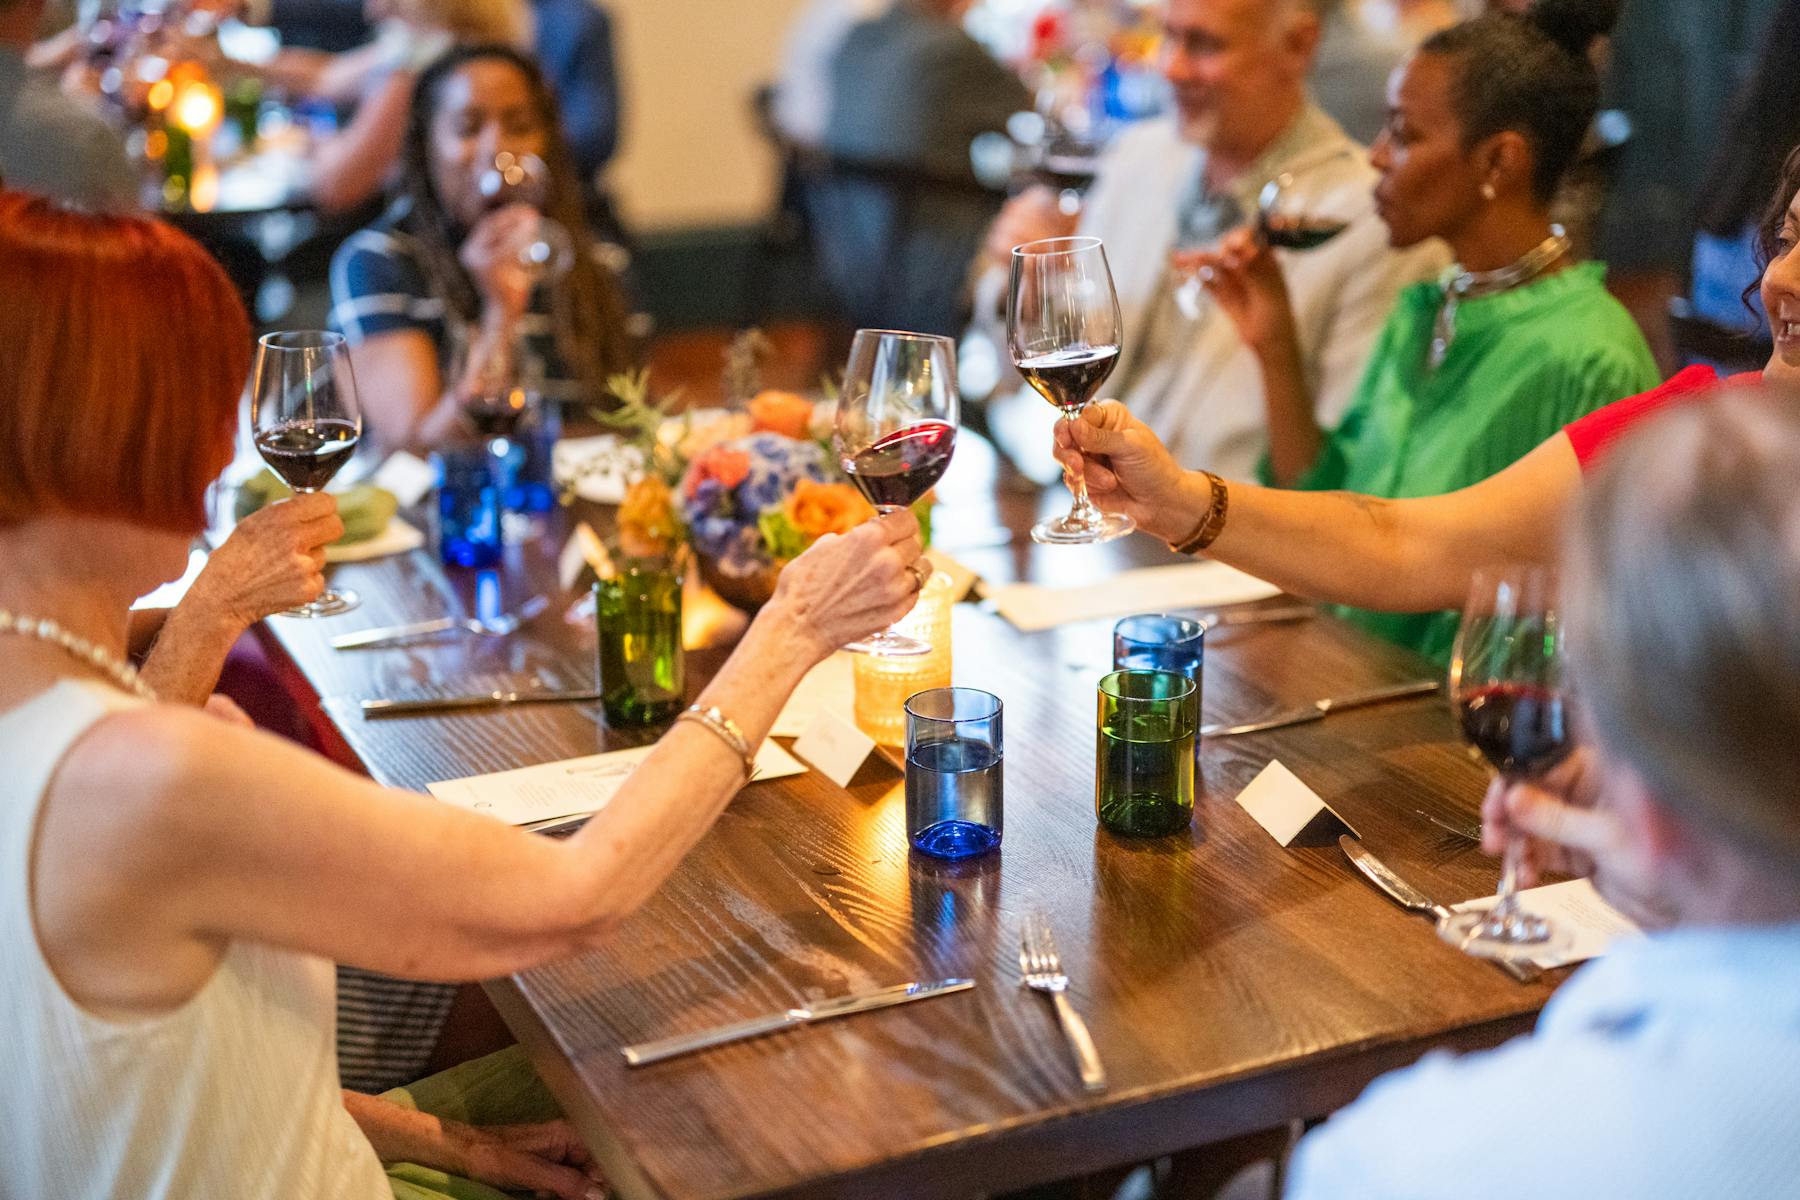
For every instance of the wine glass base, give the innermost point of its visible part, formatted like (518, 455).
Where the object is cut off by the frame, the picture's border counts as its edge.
(328, 605)
(890, 645)
(1518, 937)
(1075, 531)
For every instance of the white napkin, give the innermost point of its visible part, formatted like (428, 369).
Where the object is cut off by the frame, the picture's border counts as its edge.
(599, 467)
(1592, 925)
(1146, 589)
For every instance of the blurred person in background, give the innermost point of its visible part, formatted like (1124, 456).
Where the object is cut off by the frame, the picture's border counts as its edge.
(802, 101)
(1470, 373)
(52, 144)
(899, 212)
(1363, 41)
(1238, 70)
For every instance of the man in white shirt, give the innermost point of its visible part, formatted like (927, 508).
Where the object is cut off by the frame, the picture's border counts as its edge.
(1238, 70)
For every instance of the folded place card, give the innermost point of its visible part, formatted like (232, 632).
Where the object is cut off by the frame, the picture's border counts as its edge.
(572, 787)
(1291, 812)
(1578, 910)
(835, 747)
(828, 687)
(1146, 589)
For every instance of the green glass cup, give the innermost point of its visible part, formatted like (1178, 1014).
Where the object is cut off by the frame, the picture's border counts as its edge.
(642, 667)
(1144, 753)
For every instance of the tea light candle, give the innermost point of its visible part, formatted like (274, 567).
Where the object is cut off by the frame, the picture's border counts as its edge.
(884, 684)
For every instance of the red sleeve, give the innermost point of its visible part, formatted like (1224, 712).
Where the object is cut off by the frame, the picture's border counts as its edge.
(1593, 434)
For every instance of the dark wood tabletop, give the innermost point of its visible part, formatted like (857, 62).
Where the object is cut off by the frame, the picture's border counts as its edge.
(1230, 984)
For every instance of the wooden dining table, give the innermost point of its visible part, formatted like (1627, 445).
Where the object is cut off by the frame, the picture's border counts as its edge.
(1231, 984)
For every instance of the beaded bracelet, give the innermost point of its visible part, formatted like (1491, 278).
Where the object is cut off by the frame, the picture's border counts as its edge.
(726, 730)
(1211, 524)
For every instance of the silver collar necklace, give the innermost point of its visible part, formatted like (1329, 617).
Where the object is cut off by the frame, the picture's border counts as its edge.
(1470, 285)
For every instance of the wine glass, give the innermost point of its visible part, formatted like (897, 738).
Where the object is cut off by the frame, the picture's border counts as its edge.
(895, 430)
(305, 422)
(1289, 216)
(1064, 329)
(1512, 701)
(548, 251)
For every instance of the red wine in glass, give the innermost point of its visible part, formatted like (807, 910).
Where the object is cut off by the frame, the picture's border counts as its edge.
(1298, 233)
(496, 415)
(897, 470)
(1069, 378)
(1521, 729)
(308, 453)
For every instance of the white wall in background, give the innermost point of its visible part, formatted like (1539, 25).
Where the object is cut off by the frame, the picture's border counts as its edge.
(691, 155)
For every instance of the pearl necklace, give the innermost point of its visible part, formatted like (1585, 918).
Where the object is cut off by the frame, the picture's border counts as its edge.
(1468, 285)
(122, 673)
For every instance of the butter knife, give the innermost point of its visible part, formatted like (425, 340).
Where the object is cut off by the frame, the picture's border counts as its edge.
(494, 699)
(648, 1052)
(1411, 898)
(1318, 709)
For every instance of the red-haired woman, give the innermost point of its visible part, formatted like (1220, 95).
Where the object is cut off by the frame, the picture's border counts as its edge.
(173, 889)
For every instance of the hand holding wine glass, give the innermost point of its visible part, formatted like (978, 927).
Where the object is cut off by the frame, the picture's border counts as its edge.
(542, 248)
(895, 431)
(1064, 330)
(1512, 701)
(306, 422)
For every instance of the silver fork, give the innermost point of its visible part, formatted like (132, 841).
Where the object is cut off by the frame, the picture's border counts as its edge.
(1041, 968)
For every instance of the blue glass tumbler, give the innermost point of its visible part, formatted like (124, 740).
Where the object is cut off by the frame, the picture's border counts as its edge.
(1160, 642)
(954, 761)
(469, 496)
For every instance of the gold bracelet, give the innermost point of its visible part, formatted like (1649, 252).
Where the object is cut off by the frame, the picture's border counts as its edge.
(726, 730)
(1211, 524)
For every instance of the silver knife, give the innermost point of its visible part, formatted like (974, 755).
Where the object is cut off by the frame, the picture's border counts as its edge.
(1409, 897)
(1258, 616)
(494, 699)
(392, 633)
(905, 993)
(1317, 710)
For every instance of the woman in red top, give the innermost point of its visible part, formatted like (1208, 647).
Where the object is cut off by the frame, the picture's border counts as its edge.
(1406, 555)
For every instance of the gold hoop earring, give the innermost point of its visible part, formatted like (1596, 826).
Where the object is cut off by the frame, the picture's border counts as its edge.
(1488, 191)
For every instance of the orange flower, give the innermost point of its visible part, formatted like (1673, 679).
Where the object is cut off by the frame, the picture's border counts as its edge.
(781, 412)
(727, 465)
(817, 509)
(648, 526)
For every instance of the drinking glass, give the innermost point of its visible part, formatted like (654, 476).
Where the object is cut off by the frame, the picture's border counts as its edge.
(1064, 330)
(469, 505)
(1290, 215)
(641, 663)
(1159, 642)
(895, 431)
(305, 421)
(1511, 696)
(548, 251)
(1144, 752)
(954, 763)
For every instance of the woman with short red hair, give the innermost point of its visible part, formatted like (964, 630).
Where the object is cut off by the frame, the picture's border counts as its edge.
(174, 890)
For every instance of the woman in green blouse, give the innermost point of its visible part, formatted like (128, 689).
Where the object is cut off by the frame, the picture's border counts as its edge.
(1515, 342)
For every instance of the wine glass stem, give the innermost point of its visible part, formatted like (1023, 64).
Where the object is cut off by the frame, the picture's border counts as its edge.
(1506, 901)
(1083, 508)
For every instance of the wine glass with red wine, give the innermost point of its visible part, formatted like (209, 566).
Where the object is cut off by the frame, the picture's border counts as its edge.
(1064, 330)
(1514, 706)
(895, 431)
(1288, 216)
(306, 423)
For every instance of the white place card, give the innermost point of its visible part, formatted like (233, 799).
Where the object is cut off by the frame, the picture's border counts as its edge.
(1287, 808)
(583, 549)
(828, 687)
(1147, 589)
(572, 787)
(406, 476)
(1592, 924)
(835, 747)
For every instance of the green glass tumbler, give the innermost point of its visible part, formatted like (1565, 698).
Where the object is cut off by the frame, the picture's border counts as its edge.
(642, 668)
(1144, 753)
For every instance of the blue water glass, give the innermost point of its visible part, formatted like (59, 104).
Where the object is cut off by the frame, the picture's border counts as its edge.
(531, 488)
(468, 506)
(1159, 642)
(954, 762)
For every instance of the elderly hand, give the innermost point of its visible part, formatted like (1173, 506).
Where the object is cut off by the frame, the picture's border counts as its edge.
(847, 586)
(1242, 275)
(274, 560)
(1032, 215)
(1127, 469)
(547, 1159)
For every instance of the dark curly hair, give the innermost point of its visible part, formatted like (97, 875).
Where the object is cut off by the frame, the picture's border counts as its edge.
(589, 311)
(1529, 74)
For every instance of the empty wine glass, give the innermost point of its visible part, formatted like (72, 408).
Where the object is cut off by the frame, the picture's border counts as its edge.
(1063, 328)
(305, 421)
(895, 430)
(1511, 696)
(548, 251)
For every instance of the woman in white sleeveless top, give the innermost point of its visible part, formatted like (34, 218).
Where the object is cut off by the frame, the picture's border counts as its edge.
(174, 888)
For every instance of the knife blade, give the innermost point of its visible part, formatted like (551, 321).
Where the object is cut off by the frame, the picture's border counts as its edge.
(643, 1053)
(387, 633)
(1319, 709)
(494, 699)
(1411, 898)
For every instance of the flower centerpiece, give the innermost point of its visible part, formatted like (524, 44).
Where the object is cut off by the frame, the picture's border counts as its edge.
(747, 490)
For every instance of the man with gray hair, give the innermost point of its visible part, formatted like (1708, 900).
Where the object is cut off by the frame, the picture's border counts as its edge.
(1237, 71)
(50, 144)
